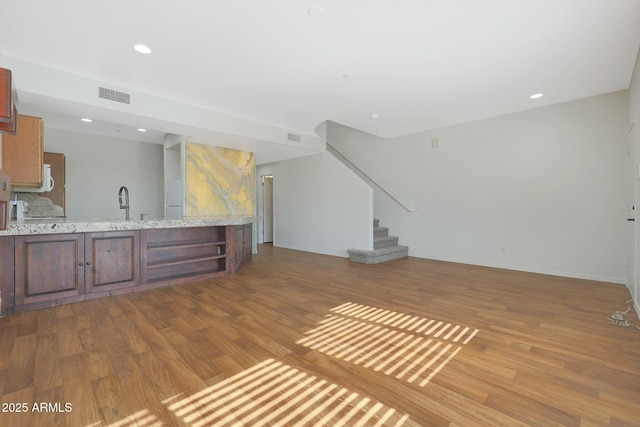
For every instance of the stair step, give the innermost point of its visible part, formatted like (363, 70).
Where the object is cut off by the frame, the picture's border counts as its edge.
(377, 256)
(384, 242)
(386, 247)
(380, 231)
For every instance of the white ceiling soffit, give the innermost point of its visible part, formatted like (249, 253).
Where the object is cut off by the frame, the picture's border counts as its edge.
(387, 68)
(64, 115)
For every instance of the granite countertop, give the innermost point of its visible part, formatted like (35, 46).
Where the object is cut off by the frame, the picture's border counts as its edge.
(67, 225)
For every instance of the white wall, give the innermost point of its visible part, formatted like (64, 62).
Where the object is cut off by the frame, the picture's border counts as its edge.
(203, 125)
(634, 136)
(320, 205)
(97, 166)
(541, 190)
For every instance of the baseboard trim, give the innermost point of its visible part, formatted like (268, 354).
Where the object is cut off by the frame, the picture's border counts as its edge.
(617, 280)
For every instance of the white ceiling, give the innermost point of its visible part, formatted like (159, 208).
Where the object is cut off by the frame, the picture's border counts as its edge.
(417, 64)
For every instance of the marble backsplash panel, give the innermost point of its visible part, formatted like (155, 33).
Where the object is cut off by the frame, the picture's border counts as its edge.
(38, 206)
(219, 181)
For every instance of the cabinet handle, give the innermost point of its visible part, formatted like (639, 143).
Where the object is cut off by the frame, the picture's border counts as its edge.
(81, 264)
(88, 262)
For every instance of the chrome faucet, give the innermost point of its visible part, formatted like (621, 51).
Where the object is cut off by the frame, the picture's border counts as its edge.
(125, 204)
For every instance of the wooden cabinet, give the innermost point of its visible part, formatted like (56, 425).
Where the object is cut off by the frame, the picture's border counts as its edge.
(5, 195)
(111, 260)
(7, 278)
(243, 242)
(178, 255)
(57, 268)
(23, 153)
(8, 103)
(48, 268)
(45, 270)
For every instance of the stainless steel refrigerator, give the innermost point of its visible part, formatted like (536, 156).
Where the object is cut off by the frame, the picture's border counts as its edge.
(173, 200)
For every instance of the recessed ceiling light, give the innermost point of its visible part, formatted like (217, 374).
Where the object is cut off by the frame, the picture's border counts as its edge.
(315, 11)
(374, 116)
(142, 48)
(536, 96)
(141, 130)
(84, 119)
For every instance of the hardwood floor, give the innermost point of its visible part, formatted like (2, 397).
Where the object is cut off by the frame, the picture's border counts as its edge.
(303, 339)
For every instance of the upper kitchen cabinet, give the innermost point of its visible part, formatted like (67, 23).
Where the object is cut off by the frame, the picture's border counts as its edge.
(8, 103)
(23, 153)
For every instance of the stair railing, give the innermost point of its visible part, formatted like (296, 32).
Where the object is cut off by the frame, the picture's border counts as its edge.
(335, 151)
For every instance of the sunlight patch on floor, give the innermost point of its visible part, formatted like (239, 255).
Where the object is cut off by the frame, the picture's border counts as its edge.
(141, 418)
(410, 348)
(275, 394)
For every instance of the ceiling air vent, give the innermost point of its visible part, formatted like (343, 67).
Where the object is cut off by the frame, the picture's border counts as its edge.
(114, 95)
(293, 137)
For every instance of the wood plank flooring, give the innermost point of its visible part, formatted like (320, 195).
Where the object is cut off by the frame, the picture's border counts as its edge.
(303, 339)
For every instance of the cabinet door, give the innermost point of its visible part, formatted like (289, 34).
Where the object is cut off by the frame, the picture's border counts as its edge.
(7, 278)
(247, 236)
(23, 153)
(242, 244)
(8, 101)
(112, 260)
(239, 245)
(48, 267)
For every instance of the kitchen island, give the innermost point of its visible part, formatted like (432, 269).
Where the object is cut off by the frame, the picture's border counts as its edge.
(48, 262)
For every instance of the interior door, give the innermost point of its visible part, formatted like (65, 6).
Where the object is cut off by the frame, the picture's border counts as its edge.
(267, 216)
(634, 227)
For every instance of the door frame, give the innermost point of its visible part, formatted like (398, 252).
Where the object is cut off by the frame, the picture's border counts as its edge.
(261, 206)
(631, 215)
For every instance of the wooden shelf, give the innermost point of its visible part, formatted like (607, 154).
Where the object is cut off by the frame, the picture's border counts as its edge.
(172, 244)
(176, 255)
(184, 268)
(184, 261)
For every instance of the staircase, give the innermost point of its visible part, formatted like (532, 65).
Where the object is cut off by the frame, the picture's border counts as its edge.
(385, 247)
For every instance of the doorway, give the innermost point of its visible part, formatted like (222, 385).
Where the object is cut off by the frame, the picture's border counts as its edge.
(633, 263)
(632, 234)
(267, 208)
